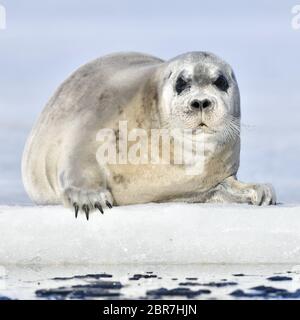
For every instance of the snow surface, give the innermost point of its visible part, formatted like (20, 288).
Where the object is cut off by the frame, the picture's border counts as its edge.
(151, 234)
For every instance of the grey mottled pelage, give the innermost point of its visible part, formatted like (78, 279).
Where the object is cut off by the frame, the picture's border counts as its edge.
(192, 91)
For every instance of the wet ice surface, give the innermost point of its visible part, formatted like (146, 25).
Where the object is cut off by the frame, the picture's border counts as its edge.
(151, 282)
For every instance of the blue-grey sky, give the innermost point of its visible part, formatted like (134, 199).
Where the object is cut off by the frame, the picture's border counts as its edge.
(47, 40)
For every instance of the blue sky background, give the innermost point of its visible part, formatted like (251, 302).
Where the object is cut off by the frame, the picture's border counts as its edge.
(47, 40)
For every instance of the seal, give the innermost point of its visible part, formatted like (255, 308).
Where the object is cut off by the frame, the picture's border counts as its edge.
(195, 91)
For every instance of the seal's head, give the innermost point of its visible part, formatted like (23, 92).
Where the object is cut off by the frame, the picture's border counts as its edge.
(199, 91)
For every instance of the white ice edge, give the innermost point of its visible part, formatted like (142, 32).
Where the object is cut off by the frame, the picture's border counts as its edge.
(151, 234)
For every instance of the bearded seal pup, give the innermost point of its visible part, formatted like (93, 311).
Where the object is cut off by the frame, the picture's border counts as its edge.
(195, 91)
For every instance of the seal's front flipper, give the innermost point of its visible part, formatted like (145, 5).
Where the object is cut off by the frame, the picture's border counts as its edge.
(233, 191)
(81, 181)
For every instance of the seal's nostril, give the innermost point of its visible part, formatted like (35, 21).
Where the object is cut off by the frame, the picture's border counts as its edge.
(196, 104)
(206, 103)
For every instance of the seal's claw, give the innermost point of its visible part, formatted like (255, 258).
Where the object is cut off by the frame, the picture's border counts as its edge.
(76, 207)
(99, 207)
(263, 194)
(108, 204)
(87, 200)
(86, 209)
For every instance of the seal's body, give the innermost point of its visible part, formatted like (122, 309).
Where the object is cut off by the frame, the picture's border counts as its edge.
(196, 91)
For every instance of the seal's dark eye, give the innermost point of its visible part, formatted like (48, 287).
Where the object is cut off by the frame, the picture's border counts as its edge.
(221, 83)
(181, 84)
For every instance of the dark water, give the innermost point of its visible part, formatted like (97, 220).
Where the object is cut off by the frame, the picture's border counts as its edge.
(151, 282)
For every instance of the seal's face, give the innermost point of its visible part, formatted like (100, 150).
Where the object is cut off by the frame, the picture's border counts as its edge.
(200, 92)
